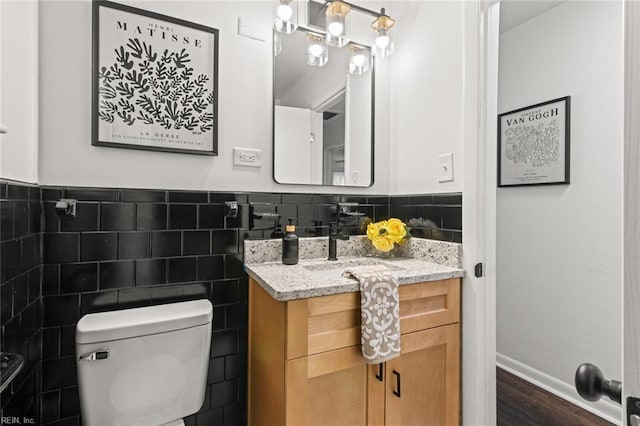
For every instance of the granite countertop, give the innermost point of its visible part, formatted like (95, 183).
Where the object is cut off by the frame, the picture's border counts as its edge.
(422, 260)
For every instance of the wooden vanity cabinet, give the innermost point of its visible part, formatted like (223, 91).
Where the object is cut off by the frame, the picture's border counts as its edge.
(306, 365)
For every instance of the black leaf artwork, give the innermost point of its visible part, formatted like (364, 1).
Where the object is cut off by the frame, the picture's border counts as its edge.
(123, 58)
(126, 105)
(106, 116)
(181, 58)
(147, 119)
(127, 118)
(199, 105)
(124, 90)
(136, 47)
(154, 89)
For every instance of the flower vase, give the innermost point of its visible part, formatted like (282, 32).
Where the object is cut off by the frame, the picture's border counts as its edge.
(379, 253)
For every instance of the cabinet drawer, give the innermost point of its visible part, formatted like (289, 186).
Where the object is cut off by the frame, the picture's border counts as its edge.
(326, 323)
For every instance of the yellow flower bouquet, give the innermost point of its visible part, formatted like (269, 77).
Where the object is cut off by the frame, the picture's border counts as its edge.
(384, 235)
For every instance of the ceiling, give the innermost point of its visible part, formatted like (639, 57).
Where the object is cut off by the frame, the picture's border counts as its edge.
(516, 12)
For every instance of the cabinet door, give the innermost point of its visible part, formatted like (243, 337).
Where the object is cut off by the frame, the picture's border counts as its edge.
(423, 384)
(327, 389)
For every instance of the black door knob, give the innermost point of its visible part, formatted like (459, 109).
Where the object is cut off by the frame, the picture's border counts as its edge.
(591, 384)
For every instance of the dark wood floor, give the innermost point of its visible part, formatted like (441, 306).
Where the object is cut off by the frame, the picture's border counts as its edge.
(523, 404)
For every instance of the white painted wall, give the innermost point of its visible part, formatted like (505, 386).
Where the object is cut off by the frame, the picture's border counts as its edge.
(559, 259)
(427, 86)
(245, 112)
(18, 89)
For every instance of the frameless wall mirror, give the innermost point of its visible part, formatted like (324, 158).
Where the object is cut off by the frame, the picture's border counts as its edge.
(322, 113)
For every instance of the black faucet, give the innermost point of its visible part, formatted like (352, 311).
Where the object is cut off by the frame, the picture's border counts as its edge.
(334, 235)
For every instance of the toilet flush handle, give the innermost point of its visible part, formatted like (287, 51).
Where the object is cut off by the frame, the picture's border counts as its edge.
(96, 355)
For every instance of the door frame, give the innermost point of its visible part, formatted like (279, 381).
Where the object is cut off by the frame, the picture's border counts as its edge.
(631, 208)
(481, 24)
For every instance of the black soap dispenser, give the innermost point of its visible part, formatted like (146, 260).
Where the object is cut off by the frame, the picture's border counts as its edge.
(290, 244)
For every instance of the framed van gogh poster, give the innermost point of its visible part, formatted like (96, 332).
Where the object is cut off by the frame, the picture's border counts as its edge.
(533, 144)
(155, 81)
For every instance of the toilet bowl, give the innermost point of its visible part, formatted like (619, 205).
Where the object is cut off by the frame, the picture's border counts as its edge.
(143, 366)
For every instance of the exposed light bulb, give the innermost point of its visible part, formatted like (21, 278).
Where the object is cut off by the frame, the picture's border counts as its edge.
(335, 28)
(315, 50)
(284, 12)
(382, 41)
(358, 60)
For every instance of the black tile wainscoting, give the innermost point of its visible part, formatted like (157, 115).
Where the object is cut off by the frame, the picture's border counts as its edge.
(130, 248)
(20, 297)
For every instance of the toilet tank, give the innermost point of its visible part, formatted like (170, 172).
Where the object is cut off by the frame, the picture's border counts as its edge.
(143, 366)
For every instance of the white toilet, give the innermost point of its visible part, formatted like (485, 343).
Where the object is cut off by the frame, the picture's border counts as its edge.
(143, 366)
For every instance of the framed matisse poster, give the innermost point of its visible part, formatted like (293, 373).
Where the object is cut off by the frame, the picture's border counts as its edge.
(155, 81)
(533, 144)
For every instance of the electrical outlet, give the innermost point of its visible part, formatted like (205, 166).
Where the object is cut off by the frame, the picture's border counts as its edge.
(247, 157)
(445, 167)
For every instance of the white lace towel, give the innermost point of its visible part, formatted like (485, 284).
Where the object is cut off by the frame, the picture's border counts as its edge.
(380, 310)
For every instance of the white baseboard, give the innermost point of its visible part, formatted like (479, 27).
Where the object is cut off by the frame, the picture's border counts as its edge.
(604, 408)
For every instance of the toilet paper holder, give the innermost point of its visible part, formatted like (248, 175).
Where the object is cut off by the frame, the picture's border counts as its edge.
(66, 207)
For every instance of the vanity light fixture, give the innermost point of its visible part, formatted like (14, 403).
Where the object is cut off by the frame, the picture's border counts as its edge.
(286, 17)
(337, 24)
(336, 33)
(383, 45)
(359, 60)
(317, 50)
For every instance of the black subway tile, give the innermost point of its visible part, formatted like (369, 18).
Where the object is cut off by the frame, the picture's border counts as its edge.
(210, 267)
(211, 216)
(221, 197)
(325, 198)
(17, 192)
(50, 279)
(166, 294)
(21, 218)
(150, 217)
(69, 402)
(134, 297)
(35, 280)
(263, 197)
(51, 218)
(60, 248)
(225, 292)
(51, 194)
(58, 373)
(3, 190)
(452, 218)
(133, 245)
(197, 242)
(50, 406)
(91, 194)
(51, 342)
(166, 243)
(196, 291)
(378, 199)
(182, 269)
(68, 339)
(224, 343)
(296, 198)
(60, 310)
(34, 193)
(102, 301)
(78, 277)
(420, 199)
(233, 267)
(6, 219)
(183, 216)
(188, 197)
(224, 241)
(35, 217)
(99, 246)
(151, 272)
(448, 199)
(116, 274)
(85, 220)
(142, 195)
(117, 217)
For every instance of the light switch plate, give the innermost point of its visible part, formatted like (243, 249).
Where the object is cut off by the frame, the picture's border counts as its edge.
(445, 167)
(247, 157)
(252, 30)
